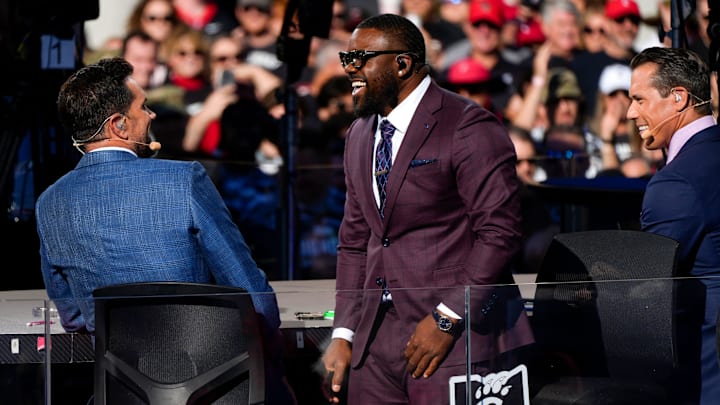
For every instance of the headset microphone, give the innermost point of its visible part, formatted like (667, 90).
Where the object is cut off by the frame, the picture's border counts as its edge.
(649, 137)
(154, 145)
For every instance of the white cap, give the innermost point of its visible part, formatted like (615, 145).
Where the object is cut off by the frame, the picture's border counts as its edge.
(615, 77)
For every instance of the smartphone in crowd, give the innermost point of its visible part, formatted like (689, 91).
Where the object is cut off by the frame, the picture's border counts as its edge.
(226, 77)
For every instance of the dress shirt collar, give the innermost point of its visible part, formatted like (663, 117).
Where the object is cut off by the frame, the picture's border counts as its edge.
(114, 148)
(402, 114)
(684, 134)
(400, 118)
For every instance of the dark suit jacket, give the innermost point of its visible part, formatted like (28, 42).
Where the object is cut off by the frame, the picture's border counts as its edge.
(682, 202)
(452, 219)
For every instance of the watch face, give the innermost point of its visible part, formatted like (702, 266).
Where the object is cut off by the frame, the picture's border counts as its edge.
(444, 324)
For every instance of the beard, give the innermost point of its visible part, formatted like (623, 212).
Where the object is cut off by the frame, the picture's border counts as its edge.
(144, 151)
(375, 101)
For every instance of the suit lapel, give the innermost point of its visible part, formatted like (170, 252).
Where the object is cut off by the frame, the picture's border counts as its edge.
(366, 168)
(420, 128)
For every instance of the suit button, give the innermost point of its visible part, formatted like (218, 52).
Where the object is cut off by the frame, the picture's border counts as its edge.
(386, 242)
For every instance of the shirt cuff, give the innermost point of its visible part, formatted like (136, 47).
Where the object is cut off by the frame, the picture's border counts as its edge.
(447, 311)
(343, 333)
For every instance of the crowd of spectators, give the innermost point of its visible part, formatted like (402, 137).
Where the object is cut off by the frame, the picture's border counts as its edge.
(554, 71)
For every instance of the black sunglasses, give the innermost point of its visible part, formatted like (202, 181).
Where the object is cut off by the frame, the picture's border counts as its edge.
(633, 18)
(590, 30)
(195, 52)
(256, 7)
(225, 58)
(358, 57)
(153, 18)
(478, 23)
(531, 161)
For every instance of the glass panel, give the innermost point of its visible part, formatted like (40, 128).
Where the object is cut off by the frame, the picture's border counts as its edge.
(499, 339)
(27, 322)
(628, 338)
(622, 340)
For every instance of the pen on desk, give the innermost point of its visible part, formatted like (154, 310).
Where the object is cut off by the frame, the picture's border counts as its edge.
(37, 323)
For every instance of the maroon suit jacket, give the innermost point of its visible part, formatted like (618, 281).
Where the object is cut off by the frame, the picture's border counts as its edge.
(452, 219)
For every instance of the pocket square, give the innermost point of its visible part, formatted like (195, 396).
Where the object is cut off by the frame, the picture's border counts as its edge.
(421, 162)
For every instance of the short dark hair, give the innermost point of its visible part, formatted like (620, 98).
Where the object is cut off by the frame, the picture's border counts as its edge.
(403, 32)
(678, 67)
(141, 35)
(92, 94)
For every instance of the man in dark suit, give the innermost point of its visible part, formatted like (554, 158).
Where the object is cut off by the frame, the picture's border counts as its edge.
(449, 224)
(671, 106)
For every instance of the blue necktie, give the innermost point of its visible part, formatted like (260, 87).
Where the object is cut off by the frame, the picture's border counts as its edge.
(383, 161)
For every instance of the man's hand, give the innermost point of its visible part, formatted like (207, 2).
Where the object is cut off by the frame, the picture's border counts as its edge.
(427, 348)
(336, 360)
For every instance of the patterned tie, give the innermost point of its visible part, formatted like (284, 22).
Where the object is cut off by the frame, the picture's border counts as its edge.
(383, 161)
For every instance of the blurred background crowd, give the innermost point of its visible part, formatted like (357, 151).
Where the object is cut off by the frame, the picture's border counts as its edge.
(555, 72)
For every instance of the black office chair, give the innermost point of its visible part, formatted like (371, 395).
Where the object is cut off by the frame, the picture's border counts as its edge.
(605, 316)
(177, 343)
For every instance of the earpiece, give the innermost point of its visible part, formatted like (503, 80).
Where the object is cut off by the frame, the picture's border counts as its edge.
(121, 124)
(401, 63)
(677, 96)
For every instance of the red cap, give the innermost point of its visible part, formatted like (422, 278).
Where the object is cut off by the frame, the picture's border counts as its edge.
(467, 71)
(510, 12)
(491, 11)
(529, 33)
(620, 8)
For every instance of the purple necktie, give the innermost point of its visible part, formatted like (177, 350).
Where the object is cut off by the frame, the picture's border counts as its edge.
(383, 160)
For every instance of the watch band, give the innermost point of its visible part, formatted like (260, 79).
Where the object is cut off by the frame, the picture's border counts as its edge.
(445, 323)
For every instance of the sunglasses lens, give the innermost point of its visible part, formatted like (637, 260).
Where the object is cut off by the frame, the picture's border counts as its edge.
(195, 52)
(153, 18)
(225, 58)
(357, 58)
(354, 58)
(343, 58)
(258, 8)
(634, 19)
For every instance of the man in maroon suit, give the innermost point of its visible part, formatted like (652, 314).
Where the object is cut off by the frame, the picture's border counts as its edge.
(442, 224)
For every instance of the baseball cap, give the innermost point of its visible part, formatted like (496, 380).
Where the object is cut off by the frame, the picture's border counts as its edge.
(615, 77)
(488, 11)
(467, 71)
(471, 75)
(562, 83)
(621, 8)
(529, 33)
